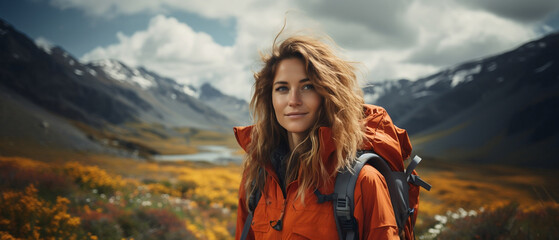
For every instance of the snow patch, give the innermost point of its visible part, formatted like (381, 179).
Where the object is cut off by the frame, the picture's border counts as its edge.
(492, 67)
(463, 76)
(433, 81)
(78, 72)
(421, 94)
(189, 91)
(544, 67)
(44, 44)
(72, 62)
(143, 82)
(119, 72)
(92, 72)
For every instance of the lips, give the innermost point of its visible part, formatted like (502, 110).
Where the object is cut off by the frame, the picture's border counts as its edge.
(296, 114)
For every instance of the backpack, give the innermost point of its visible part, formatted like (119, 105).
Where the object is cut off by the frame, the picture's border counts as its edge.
(402, 186)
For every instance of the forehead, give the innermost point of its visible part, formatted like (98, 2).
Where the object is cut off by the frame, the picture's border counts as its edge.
(291, 69)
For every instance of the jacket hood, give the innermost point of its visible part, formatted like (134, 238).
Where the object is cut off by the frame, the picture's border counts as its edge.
(382, 137)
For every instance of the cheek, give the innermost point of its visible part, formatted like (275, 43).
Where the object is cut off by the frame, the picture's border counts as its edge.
(276, 103)
(314, 102)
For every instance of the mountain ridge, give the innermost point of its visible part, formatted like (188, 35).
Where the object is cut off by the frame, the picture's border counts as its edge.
(56, 95)
(486, 110)
(100, 92)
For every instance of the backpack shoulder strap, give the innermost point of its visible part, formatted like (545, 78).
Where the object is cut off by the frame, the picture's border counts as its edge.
(252, 203)
(398, 190)
(344, 189)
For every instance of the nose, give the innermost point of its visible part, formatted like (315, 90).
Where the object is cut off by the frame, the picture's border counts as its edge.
(294, 98)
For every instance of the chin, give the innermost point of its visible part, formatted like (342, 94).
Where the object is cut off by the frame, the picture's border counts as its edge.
(297, 129)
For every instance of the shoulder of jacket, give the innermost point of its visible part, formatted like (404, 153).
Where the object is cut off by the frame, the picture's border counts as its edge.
(370, 176)
(369, 109)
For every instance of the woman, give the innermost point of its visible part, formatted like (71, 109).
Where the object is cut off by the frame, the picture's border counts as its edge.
(310, 120)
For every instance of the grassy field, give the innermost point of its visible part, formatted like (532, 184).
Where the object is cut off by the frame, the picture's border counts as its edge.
(101, 197)
(469, 193)
(48, 192)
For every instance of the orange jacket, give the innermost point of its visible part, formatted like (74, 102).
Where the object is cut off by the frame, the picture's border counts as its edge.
(311, 220)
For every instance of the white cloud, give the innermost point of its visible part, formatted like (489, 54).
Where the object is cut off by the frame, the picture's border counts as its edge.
(393, 39)
(399, 39)
(366, 24)
(451, 33)
(173, 49)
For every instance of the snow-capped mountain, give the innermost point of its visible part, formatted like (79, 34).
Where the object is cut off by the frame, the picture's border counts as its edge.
(175, 104)
(99, 92)
(502, 108)
(122, 73)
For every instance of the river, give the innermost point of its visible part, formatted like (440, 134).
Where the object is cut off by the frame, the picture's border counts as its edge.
(209, 153)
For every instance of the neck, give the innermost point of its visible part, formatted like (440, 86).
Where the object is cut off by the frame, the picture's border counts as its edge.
(294, 139)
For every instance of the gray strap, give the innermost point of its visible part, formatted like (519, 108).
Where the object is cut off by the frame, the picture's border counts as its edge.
(396, 183)
(343, 202)
(254, 198)
(246, 227)
(344, 198)
(412, 165)
(350, 235)
(414, 179)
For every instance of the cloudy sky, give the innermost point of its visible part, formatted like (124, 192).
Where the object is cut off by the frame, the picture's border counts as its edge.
(218, 41)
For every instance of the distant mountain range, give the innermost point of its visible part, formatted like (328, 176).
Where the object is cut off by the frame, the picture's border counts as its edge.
(106, 91)
(46, 93)
(499, 109)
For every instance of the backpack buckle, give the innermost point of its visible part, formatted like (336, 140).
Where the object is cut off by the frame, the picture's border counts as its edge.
(346, 222)
(343, 208)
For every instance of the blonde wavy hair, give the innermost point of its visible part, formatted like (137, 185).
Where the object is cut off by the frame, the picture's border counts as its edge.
(342, 110)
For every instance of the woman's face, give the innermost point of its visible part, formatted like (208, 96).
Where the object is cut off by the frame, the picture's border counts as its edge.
(296, 102)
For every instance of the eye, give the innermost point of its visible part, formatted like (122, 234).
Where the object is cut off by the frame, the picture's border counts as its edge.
(308, 87)
(281, 89)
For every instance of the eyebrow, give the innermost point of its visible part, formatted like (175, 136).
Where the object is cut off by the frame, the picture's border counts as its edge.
(300, 81)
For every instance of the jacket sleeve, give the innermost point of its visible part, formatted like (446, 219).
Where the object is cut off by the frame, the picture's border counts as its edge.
(242, 214)
(373, 209)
